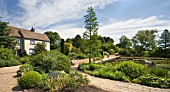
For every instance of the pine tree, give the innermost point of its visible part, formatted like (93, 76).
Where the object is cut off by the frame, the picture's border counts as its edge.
(164, 41)
(5, 40)
(90, 34)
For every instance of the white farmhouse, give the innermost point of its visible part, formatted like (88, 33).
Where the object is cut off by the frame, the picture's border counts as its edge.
(27, 39)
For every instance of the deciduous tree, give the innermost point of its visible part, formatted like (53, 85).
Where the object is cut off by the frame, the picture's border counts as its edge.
(144, 40)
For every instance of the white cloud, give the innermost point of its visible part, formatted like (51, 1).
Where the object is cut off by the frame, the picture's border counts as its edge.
(117, 28)
(132, 26)
(43, 13)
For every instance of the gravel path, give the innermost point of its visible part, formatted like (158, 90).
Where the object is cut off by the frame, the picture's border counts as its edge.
(8, 79)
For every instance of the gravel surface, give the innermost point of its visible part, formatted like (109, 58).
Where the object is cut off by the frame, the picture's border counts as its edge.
(8, 79)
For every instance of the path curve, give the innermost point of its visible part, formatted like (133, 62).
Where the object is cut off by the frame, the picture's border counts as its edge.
(8, 79)
(119, 86)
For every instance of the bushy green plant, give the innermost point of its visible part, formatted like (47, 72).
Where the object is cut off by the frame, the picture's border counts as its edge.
(52, 60)
(111, 51)
(83, 67)
(153, 81)
(105, 53)
(76, 80)
(2, 62)
(81, 56)
(55, 80)
(24, 59)
(30, 79)
(161, 72)
(94, 66)
(6, 53)
(25, 68)
(131, 69)
(40, 69)
(118, 75)
(12, 62)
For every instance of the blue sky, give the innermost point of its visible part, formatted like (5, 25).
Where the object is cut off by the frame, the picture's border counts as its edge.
(115, 17)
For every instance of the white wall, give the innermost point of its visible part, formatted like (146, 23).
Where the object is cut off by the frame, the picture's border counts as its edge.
(28, 46)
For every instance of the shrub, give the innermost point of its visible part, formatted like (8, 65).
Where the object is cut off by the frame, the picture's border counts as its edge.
(81, 56)
(6, 53)
(131, 69)
(72, 54)
(40, 69)
(24, 59)
(2, 62)
(54, 80)
(25, 68)
(94, 66)
(76, 80)
(83, 67)
(58, 80)
(52, 60)
(30, 79)
(12, 62)
(161, 72)
(154, 81)
(105, 53)
(118, 75)
(111, 51)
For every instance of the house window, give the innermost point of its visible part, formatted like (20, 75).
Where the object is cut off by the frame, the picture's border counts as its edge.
(18, 40)
(45, 43)
(32, 42)
(31, 51)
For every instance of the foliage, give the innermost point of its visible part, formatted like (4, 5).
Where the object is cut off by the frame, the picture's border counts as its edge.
(161, 72)
(81, 56)
(130, 72)
(106, 47)
(40, 47)
(68, 47)
(153, 81)
(54, 80)
(54, 39)
(83, 67)
(52, 60)
(164, 42)
(12, 62)
(7, 63)
(5, 39)
(131, 69)
(6, 53)
(117, 49)
(68, 40)
(77, 41)
(124, 42)
(24, 59)
(57, 80)
(76, 80)
(91, 33)
(144, 40)
(2, 62)
(25, 68)
(40, 69)
(30, 79)
(111, 51)
(72, 54)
